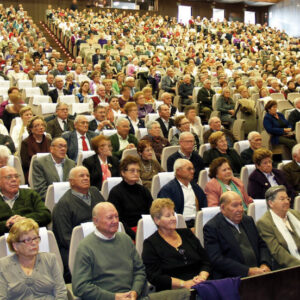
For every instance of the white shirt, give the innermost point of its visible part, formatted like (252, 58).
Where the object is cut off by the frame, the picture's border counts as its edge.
(79, 139)
(123, 143)
(59, 168)
(135, 125)
(60, 122)
(166, 123)
(60, 92)
(102, 236)
(189, 210)
(271, 178)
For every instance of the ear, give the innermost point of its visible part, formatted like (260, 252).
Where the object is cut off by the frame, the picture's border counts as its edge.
(270, 203)
(156, 221)
(15, 246)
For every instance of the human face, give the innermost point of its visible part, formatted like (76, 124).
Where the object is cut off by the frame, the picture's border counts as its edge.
(191, 115)
(140, 101)
(281, 204)
(81, 181)
(123, 129)
(114, 104)
(26, 117)
(167, 221)
(187, 144)
(155, 130)
(107, 220)
(207, 85)
(62, 112)
(256, 142)
(224, 173)
(296, 156)
(59, 149)
(38, 127)
(59, 83)
(167, 99)
(101, 91)
(164, 112)
(222, 144)
(233, 209)
(184, 125)
(132, 174)
(3, 161)
(100, 114)
(104, 148)
(226, 94)
(147, 153)
(28, 245)
(82, 125)
(215, 124)
(186, 172)
(273, 110)
(9, 181)
(133, 113)
(130, 82)
(86, 87)
(265, 165)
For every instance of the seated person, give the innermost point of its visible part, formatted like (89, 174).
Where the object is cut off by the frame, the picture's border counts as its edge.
(183, 125)
(143, 108)
(96, 275)
(278, 127)
(186, 150)
(255, 141)
(294, 116)
(102, 164)
(131, 199)
(6, 140)
(84, 92)
(291, 170)
(4, 155)
(72, 209)
(122, 139)
(266, 176)
(225, 106)
(40, 268)
(219, 148)
(149, 166)
(185, 90)
(166, 98)
(280, 228)
(187, 195)
(204, 98)
(222, 180)
(135, 123)
(100, 122)
(54, 167)
(164, 119)
(59, 89)
(174, 258)
(232, 241)
(195, 122)
(16, 203)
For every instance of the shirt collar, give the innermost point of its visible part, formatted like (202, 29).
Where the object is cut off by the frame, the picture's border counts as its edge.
(120, 138)
(182, 185)
(183, 155)
(55, 163)
(80, 135)
(233, 224)
(7, 199)
(102, 236)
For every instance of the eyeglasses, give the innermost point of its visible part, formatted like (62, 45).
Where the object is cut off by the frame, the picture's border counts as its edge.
(133, 171)
(284, 198)
(10, 177)
(60, 146)
(30, 240)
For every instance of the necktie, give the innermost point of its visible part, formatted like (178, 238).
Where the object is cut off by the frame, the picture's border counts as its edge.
(84, 144)
(65, 125)
(105, 172)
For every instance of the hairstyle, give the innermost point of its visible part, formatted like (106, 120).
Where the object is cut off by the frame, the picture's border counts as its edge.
(129, 160)
(295, 149)
(214, 137)
(78, 117)
(125, 87)
(137, 95)
(82, 84)
(226, 196)
(185, 134)
(296, 100)
(31, 121)
(160, 107)
(120, 120)
(60, 104)
(4, 151)
(113, 97)
(21, 227)
(215, 165)
(11, 89)
(95, 141)
(142, 145)
(178, 120)
(99, 106)
(179, 163)
(270, 104)
(150, 124)
(272, 192)
(129, 106)
(147, 89)
(24, 109)
(158, 205)
(188, 109)
(212, 119)
(73, 170)
(252, 134)
(261, 154)
(94, 74)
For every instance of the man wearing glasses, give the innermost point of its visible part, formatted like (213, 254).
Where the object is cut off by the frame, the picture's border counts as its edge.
(54, 167)
(16, 203)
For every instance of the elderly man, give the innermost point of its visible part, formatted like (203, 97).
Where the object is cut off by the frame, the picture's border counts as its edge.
(122, 139)
(16, 203)
(100, 122)
(215, 125)
(59, 89)
(54, 167)
(187, 195)
(60, 70)
(100, 97)
(294, 116)
(275, 88)
(255, 141)
(80, 138)
(280, 228)
(158, 143)
(167, 99)
(204, 98)
(168, 82)
(164, 120)
(61, 123)
(258, 86)
(130, 82)
(232, 241)
(47, 86)
(186, 150)
(96, 275)
(74, 207)
(186, 90)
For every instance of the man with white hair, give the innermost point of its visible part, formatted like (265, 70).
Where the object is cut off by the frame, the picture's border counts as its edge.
(255, 141)
(258, 86)
(73, 208)
(294, 116)
(59, 89)
(275, 88)
(130, 82)
(168, 82)
(187, 195)
(80, 138)
(166, 98)
(186, 90)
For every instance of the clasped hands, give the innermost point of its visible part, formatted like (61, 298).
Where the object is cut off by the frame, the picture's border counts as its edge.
(132, 295)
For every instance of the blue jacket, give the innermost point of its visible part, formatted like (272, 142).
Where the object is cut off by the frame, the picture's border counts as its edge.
(272, 127)
(173, 191)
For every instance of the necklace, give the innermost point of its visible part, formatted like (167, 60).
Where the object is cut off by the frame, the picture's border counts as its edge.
(147, 166)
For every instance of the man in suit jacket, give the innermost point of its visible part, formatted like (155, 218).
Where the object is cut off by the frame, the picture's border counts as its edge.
(96, 57)
(47, 86)
(60, 70)
(59, 90)
(80, 138)
(100, 122)
(204, 98)
(54, 167)
(167, 99)
(7, 141)
(57, 126)
(168, 82)
(187, 195)
(232, 241)
(281, 238)
(294, 116)
(164, 120)
(255, 141)
(122, 139)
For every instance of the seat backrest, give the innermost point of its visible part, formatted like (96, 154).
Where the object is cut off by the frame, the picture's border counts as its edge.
(203, 178)
(172, 132)
(159, 180)
(293, 96)
(82, 155)
(108, 184)
(38, 99)
(147, 227)
(109, 132)
(5, 84)
(245, 173)
(203, 148)
(14, 161)
(277, 96)
(68, 99)
(22, 84)
(151, 117)
(29, 92)
(45, 109)
(167, 151)
(127, 152)
(79, 108)
(297, 203)
(54, 192)
(141, 133)
(257, 208)
(33, 158)
(283, 162)
(240, 146)
(202, 217)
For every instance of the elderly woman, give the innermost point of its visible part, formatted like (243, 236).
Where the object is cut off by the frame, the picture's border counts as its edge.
(119, 83)
(222, 180)
(4, 156)
(131, 199)
(195, 122)
(70, 85)
(174, 258)
(266, 176)
(28, 273)
(143, 108)
(37, 142)
(280, 228)
(225, 106)
(125, 96)
(278, 127)
(84, 92)
(219, 148)
(135, 123)
(147, 91)
(183, 125)
(94, 84)
(12, 111)
(149, 166)
(19, 131)
(101, 165)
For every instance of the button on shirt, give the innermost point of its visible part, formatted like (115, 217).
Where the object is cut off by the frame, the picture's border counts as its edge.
(271, 178)
(189, 210)
(123, 142)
